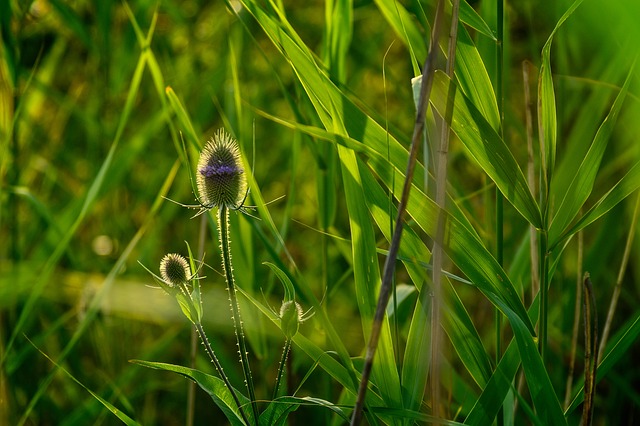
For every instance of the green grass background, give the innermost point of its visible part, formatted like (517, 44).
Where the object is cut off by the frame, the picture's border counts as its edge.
(91, 140)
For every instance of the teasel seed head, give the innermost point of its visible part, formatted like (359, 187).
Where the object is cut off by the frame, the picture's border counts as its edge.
(220, 176)
(291, 316)
(174, 270)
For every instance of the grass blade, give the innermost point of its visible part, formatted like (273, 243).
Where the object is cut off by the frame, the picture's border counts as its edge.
(487, 149)
(115, 411)
(547, 120)
(582, 183)
(212, 385)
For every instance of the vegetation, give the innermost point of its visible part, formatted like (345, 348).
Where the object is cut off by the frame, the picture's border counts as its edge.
(514, 288)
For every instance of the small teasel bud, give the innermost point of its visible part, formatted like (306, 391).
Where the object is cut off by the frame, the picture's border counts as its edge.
(174, 269)
(220, 177)
(291, 316)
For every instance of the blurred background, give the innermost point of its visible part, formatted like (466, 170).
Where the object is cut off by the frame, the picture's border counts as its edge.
(89, 145)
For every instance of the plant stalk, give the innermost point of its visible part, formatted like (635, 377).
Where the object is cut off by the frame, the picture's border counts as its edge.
(576, 322)
(590, 351)
(499, 197)
(389, 266)
(281, 367)
(616, 290)
(438, 244)
(191, 390)
(544, 283)
(216, 363)
(225, 247)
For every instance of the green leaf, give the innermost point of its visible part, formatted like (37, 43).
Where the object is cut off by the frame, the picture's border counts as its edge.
(115, 411)
(469, 16)
(473, 78)
(289, 290)
(582, 182)
(618, 348)
(196, 296)
(542, 393)
(621, 190)
(465, 338)
(325, 359)
(547, 102)
(278, 410)
(486, 147)
(367, 277)
(214, 386)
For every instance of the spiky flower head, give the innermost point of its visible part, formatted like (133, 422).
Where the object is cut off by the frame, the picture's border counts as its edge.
(220, 176)
(174, 270)
(291, 316)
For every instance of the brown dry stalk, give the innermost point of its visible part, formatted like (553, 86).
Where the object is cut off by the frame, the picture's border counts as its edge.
(616, 291)
(590, 350)
(389, 265)
(576, 322)
(438, 247)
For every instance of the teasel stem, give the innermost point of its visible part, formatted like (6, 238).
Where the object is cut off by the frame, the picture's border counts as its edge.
(223, 376)
(281, 367)
(207, 346)
(191, 392)
(225, 247)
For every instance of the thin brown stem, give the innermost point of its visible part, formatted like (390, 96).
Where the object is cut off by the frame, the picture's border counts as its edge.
(616, 291)
(389, 265)
(590, 351)
(438, 246)
(576, 322)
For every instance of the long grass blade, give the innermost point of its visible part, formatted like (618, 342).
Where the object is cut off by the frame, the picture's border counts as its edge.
(487, 149)
(582, 183)
(547, 120)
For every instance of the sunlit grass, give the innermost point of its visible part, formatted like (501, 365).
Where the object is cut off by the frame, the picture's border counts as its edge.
(97, 100)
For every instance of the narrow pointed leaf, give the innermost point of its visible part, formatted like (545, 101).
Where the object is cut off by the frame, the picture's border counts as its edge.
(582, 183)
(546, 99)
(486, 147)
(214, 386)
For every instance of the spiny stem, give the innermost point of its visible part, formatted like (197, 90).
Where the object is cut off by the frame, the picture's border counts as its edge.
(281, 367)
(191, 392)
(223, 227)
(216, 363)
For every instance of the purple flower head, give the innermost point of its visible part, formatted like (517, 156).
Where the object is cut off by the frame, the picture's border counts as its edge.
(211, 170)
(220, 178)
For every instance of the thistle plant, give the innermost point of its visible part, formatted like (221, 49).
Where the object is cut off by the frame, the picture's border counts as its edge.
(222, 183)
(177, 280)
(291, 316)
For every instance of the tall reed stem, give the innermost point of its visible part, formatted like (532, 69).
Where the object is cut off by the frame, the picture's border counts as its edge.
(544, 283)
(438, 246)
(225, 247)
(390, 262)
